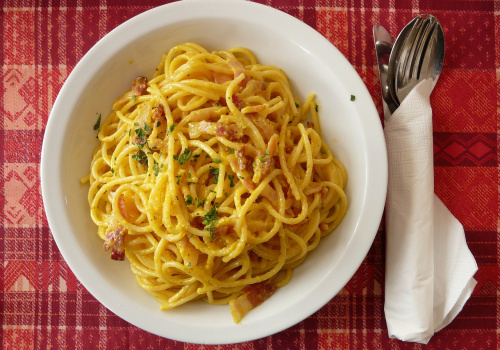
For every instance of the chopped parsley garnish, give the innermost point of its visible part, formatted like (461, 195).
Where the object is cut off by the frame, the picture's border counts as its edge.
(141, 157)
(97, 124)
(353, 98)
(133, 98)
(195, 157)
(158, 123)
(262, 159)
(178, 178)
(141, 136)
(184, 156)
(297, 105)
(215, 171)
(210, 221)
(316, 107)
(156, 169)
(217, 160)
(323, 151)
(147, 127)
(199, 202)
(231, 178)
(171, 128)
(189, 200)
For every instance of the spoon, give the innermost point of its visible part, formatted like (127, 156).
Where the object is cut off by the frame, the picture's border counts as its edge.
(394, 59)
(419, 57)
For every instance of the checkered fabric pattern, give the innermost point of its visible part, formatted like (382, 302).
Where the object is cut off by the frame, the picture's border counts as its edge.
(42, 304)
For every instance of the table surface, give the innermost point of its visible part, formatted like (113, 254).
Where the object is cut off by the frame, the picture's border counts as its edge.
(43, 305)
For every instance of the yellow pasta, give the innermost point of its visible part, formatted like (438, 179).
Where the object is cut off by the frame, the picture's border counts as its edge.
(213, 180)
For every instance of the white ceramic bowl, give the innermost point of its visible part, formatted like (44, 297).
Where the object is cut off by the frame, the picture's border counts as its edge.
(352, 128)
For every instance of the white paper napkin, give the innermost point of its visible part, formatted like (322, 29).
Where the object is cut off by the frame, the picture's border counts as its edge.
(429, 268)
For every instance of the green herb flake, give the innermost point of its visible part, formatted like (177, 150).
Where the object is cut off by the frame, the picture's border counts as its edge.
(199, 202)
(189, 200)
(158, 123)
(353, 98)
(217, 160)
(262, 159)
(231, 178)
(185, 155)
(323, 151)
(297, 105)
(147, 127)
(97, 124)
(210, 221)
(141, 157)
(215, 171)
(133, 98)
(316, 107)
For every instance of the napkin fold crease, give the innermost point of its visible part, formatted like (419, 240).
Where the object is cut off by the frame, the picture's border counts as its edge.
(429, 267)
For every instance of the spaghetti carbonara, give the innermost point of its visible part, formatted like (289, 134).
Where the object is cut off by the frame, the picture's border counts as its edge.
(213, 180)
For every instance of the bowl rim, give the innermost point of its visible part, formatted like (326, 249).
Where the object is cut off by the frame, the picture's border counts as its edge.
(308, 38)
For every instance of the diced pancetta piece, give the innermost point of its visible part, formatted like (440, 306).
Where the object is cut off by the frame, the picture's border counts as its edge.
(230, 131)
(199, 128)
(139, 85)
(129, 211)
(272, 146)
(253, 296)
(114, 241)
(238, 69)
(207, 114)
(221, 78)
(159, 114)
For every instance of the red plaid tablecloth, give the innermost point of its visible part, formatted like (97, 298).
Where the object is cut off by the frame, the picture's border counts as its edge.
(42, 305)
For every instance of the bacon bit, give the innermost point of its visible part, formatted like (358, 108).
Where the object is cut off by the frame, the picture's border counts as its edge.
(197, 223)
(310, 125)
(206, 114)
(221, 78)
(248, 151)
(253, 296)
(196, 129)
(254, 110)
(237, 162)
(139, 85)
(129, 211)
(159, 114)
(230, 131)
(253, 87)
(238, 101)
(224, 230)
(238, 69)
(289, 149)
(272, 146)
(264, 126)
(114, 240)
(249, 184)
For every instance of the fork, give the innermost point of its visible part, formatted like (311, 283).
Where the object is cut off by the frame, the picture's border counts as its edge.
(421, 56)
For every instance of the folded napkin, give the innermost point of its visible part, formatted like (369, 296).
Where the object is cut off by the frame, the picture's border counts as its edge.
(429, 268)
